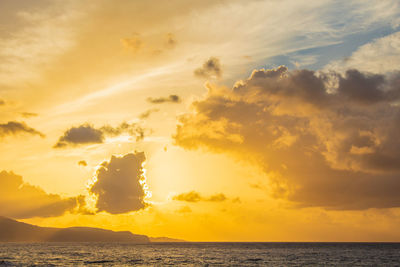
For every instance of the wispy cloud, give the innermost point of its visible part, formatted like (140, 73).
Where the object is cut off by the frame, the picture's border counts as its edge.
(131, 84)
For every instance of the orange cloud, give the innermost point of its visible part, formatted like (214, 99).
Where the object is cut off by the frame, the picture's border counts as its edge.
(324, 139)
(21, 200)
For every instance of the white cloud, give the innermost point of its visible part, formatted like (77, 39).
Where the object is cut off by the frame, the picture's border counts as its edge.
(379, 56)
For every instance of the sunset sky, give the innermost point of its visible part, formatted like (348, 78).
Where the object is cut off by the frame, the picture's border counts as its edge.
(212, 120)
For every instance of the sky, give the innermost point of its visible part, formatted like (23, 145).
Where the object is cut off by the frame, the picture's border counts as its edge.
(256, 120)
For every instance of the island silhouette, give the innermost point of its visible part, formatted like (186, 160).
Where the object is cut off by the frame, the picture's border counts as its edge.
(15, 231)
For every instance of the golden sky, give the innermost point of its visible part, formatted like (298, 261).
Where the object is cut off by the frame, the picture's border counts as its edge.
(203, 120)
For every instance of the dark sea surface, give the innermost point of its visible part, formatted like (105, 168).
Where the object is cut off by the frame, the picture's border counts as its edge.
(200, 254)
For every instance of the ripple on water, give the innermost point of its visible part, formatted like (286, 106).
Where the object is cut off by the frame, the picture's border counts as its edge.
(200, 254)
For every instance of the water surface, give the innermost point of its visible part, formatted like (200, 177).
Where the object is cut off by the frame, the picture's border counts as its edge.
(200, 254)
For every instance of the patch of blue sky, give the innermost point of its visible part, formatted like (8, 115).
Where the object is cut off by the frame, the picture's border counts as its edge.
(341, 28)
(315, 58)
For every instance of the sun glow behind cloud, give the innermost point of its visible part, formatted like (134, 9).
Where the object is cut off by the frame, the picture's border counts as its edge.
(143, 182)
(107, 68)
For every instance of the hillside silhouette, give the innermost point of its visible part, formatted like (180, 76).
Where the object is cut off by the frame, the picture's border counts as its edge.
(14, 231)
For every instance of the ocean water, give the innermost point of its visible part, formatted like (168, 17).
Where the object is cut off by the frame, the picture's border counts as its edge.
(200, 254)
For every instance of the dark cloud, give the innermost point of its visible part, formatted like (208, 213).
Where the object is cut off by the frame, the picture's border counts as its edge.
(21, 200)
(84, 134)
(82, 163)
(15, 128)
(29, 114)
(194, 196)
(2, 102)
(210, 69)
(324, 139)
(119, 187)
(169, 99)
(88, 134)
(148, 112)
(368, 88)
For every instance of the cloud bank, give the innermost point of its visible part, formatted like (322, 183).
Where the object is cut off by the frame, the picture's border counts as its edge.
(324, 139)
(21, 200)
(119, 184)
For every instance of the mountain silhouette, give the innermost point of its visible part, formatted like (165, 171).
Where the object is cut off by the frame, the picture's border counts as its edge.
(14, 231)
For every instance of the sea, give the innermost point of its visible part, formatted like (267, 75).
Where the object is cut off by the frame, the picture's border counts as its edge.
(200, 254)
